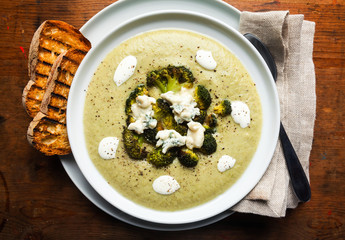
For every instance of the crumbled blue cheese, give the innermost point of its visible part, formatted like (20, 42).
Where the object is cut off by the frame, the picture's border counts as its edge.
(182, 104)
(143, 114)
(165, 185)
(195, 135)
(240, 113)
(169, 139)
(107, 147)
(225, 162)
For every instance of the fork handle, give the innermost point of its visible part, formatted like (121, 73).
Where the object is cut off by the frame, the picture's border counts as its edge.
(297, 176)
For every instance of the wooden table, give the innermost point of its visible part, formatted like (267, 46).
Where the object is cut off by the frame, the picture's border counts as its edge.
(39, 201)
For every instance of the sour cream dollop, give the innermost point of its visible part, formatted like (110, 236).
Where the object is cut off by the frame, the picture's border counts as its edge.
(165, 185)
(125, 69)
(240, 113)
(225, 162)
(107, 147)
(205, 59)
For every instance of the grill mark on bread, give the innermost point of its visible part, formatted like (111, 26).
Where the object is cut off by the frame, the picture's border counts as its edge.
(68, 67)
(58, 101)
(62, 84)
(63, 29)
(49, 51)
(71, 70)
(73, 61)
(65, 77)
(57, 109)
(36, 93)
(66, 72)
(59, 45)
(41, 80)
(52, 45)
(41, 75)
(56, 114)
(58, 96)
(47, 55)
(45, 63)
(42, 69)
(56, 29)
(52, 121)
(61, 89)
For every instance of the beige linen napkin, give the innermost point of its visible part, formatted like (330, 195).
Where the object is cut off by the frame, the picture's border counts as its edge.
(290, 40)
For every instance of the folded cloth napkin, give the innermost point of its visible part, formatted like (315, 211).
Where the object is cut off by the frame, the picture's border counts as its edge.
(290, 40)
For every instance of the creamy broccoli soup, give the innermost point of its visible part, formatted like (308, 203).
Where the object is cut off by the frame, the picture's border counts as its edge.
(104, 116)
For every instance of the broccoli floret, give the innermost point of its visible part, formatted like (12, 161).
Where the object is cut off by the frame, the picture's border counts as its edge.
(170, 123)
(209, 145)
(161, 108)
(188, 157)
(150, 135)
(202, 97)
(200, 118)
(165, 117)
(223, 108)
(210, 123)
(139, 90)
(134, 144)
(211, 120)
(157, 158)
(130, 119)
(170, 78)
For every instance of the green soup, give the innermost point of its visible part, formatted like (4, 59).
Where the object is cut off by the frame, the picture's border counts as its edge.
(104, 116)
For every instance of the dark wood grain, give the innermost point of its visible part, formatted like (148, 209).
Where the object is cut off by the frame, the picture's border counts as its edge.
(39, 201)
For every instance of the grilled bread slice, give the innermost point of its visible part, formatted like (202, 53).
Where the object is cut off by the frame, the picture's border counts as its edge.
(48, 136)
(50, 40)
(47, 131)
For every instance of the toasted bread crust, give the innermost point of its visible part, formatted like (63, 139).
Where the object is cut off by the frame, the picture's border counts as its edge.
(50, 40)
(50, 83)
(47, 131)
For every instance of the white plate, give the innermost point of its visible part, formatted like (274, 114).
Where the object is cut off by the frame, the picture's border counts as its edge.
(241, 48)
(101, 24)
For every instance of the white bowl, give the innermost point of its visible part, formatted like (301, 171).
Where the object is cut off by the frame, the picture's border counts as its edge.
(249, 57)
